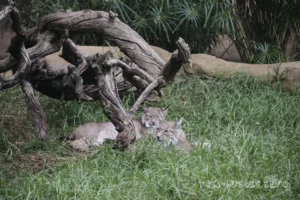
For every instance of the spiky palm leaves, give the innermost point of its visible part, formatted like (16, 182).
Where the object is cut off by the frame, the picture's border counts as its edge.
(254, 25)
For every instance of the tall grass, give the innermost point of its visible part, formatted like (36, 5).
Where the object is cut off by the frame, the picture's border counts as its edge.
(253, 131)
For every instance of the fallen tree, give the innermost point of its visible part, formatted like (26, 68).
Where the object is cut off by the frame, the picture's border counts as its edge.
(286, 73)
(86, 76)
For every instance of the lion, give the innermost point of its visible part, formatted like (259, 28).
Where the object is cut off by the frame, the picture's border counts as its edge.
(91, 135)
(172, 136)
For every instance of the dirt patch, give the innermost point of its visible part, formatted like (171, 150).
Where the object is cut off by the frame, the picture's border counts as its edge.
(12, 167)
(18, 163)
(34, 163)
(21, 164)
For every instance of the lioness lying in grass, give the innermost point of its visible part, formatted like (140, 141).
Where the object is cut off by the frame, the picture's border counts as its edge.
(94, 134)
(172, 136)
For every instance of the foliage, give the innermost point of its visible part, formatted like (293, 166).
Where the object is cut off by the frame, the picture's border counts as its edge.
(159, 22)
(268, 54)
(253, 130)
(249, 23)
(270, 21)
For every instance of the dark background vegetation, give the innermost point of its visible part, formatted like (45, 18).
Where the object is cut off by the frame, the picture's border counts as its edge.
(264, 31)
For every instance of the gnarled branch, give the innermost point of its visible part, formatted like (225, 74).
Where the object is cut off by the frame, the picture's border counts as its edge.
(74, 80)
(136, 76)
(179, 57)
(129, 42)
(112, 105)
(23, 62)
(156, 83)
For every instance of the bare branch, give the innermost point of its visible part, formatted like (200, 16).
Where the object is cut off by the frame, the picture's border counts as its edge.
(112, 105)
(38, 117)
(20, 54)
(16, 25)
(74, 80)
(48, 43)
(179, 57)
(6, 10)
(71, 54)
(156, 83)
(34, 107)
(136, 76)
(129, 42)
(24, 65)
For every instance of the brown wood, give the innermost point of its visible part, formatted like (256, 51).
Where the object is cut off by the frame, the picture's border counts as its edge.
(142, 69)
(112, 105)
(37, 114)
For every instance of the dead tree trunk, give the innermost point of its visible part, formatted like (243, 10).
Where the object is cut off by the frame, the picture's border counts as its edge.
(34, 107)
(142, 69)
(18, 51)
(112, 105)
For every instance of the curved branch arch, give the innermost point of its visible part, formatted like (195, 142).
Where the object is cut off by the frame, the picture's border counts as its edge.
(120, 34)
(76, 80)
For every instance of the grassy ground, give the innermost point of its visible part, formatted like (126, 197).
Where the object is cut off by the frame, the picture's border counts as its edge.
(254, 154)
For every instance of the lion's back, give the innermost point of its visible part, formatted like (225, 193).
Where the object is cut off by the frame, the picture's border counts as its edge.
(92, 130)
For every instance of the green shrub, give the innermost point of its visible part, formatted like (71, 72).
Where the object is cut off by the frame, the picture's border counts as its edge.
(199, 22)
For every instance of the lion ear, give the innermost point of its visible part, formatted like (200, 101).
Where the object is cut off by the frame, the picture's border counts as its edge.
(178, 124)
(165, 110)
(144, 109)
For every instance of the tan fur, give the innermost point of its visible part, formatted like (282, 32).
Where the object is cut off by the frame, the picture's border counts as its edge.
(173, 136)
(152, 118)
(94, 134)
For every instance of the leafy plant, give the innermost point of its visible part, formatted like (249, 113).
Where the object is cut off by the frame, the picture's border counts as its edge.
(270, 21)
(267, 53)
(249, 23)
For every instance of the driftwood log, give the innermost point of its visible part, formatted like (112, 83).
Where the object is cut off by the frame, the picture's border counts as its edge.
(86, 76)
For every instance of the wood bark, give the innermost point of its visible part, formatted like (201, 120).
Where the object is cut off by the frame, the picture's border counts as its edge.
(47, 79)
(112, 29)
(179, 57)
(142, 69)
(34, 108)
(73, 79)
(112, 105)
(23, 62)
(37, 114)
(155, 84)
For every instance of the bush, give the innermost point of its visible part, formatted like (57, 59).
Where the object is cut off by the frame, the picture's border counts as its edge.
(247, 22)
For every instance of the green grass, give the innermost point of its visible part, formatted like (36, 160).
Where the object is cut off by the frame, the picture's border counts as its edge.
(254, 132)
